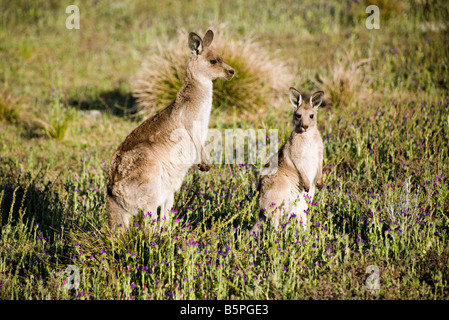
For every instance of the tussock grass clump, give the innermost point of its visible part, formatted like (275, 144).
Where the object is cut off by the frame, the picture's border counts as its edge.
(349, 78)
(260, 77)
(59, 118)
(388, 8)
(10, 107)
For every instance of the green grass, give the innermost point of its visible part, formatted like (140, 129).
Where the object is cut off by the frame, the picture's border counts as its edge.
(385, 199)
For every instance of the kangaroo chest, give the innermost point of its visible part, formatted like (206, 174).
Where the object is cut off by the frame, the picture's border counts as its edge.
(201, 121)
(307, 151)
(309, 154)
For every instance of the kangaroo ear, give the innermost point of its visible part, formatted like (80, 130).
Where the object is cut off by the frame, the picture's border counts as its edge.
(295, 97)
(208, 37)
(316, 99)
(195, 43)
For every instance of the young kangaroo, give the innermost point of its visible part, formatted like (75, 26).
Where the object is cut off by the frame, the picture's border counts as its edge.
(299, 168)
(145, 172)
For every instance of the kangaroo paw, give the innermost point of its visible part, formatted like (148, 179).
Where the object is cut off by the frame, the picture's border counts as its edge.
(204, 166)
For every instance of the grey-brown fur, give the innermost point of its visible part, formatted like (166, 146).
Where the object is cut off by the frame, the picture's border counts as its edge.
(149, 166)
(299, 168)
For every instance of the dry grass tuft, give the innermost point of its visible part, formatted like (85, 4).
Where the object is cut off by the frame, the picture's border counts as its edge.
(348, 79)
(10, 107)
(389, 8)
(261, 77)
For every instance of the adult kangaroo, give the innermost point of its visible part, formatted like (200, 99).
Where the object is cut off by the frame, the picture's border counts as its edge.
(149, 166)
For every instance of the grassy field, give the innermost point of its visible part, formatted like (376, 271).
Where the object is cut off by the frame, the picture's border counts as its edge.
(66, 103)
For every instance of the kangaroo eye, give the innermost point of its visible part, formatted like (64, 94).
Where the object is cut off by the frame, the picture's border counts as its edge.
(213, 61)
(311, 116)
(298, 116)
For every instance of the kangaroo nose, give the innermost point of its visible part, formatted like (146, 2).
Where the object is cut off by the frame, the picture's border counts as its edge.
(231, 71)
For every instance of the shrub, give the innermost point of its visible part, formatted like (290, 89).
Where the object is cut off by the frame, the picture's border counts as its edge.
(260, 76)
